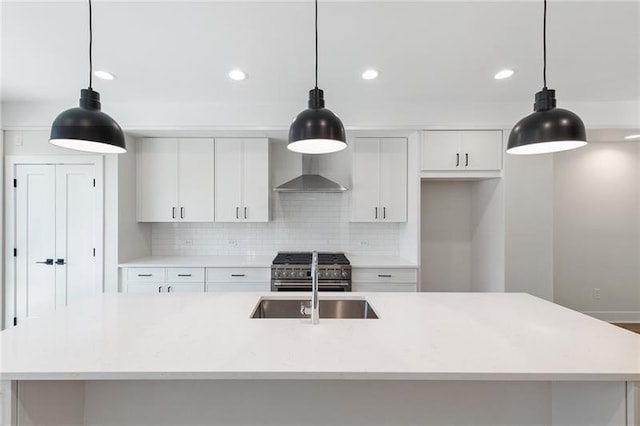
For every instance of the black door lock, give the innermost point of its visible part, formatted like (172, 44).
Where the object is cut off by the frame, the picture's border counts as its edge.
(60, 262)
(47, 262)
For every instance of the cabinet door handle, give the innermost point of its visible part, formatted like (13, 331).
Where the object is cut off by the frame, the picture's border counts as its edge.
(60, 262)
(245, 212)
(384, 275)
(376, 212)
(184, 275)
(237, 275)
(457, 159)
(466, 159)
(47, 262)
(169, 289)
(237, 212)
(144, 275)
(384, 212)
(173, 212)
(159, 289)
(181, 212)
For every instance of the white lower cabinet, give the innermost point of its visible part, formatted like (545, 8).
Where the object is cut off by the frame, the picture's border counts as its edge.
(384, 279)
(164, 280)
(238, 279)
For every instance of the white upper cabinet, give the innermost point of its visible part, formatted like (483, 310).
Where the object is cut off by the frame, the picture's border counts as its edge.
(174, 180)
(379, 191)
(242, 180)
(461, 150)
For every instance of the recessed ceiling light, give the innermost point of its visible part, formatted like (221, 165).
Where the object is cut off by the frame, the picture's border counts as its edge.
(237, 75)
(505, 73)
(633, 136)
(105, 75)
(370, 74)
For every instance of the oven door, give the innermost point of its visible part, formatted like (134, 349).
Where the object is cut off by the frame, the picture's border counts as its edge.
(342, 286)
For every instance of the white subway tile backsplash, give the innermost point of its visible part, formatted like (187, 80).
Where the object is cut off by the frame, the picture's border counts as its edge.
(299, 221)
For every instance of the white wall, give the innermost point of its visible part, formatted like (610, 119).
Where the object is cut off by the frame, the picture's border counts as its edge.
(597, 230)
(528, 181)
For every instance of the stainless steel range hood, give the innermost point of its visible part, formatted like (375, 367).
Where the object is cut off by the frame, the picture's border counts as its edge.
(310, 180)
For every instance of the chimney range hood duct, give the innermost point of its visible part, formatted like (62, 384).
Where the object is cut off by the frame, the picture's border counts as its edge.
(310, 180)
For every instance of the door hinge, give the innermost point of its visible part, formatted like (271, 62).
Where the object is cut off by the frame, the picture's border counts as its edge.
(15, 252)
(15, 321)
(15, 183)
(94, 183)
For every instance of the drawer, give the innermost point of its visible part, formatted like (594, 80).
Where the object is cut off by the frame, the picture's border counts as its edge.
(241, 286)
(385, 287)
(232, 275)
(146, 274)
(185, 275)
(384, 274)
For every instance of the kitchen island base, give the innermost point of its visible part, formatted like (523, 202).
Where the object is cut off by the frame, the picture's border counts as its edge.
(327, 402)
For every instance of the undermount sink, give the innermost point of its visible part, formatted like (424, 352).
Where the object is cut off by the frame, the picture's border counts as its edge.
(329, 308)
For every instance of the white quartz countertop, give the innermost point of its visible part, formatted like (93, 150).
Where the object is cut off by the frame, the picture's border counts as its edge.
(424, 336)
(357, 261)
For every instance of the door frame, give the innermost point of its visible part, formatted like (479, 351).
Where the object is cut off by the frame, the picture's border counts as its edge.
(10, 293)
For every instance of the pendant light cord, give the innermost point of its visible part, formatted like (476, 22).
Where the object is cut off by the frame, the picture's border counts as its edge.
(90, 48)
(544, 45)
(316, 44)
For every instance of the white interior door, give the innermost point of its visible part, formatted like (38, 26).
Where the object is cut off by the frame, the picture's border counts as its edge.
(35, 240)
(76, 221)
(57, 229)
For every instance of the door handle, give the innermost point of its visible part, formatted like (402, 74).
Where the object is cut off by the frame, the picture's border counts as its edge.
(169, 289)
(457, 159)
(466, 159)
(245, 212)
(237, 212)
(159, 289)
(47, 262)
(376, 212)
(173, 212)
(181, 212)
(60, 262)
(237, 275)
(384, 212)
(184, 275)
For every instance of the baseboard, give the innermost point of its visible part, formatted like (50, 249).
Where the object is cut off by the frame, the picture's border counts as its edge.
(615, 316)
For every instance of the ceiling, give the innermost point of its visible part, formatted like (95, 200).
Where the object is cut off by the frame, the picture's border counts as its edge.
(447, 51)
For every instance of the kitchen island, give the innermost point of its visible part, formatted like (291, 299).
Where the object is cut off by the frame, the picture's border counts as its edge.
(431, 358)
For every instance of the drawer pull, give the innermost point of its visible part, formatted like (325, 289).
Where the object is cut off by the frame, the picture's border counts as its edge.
(384, 275)
(237, 275)
(145, 275)
(184, 275)
(169, 289)
(159, 289)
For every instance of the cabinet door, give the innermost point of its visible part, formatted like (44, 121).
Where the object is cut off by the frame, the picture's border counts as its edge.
(365, 195)
(228, 180)
(393, 179)
(184, 287)
(157, 180)
(440, 150)
(138, 287)
(195, 180)
(255, 185)
(483, 148)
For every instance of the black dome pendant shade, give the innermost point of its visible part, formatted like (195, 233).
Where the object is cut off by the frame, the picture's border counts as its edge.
(316, 130)
(548, 129)
(87, 128)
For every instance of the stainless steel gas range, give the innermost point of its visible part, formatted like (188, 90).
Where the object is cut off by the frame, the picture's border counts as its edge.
(291, 271)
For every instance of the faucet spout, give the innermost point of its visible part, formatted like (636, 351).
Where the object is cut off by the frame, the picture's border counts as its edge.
(315, 303)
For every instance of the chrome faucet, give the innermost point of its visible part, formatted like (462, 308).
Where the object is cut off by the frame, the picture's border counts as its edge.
(315, 303)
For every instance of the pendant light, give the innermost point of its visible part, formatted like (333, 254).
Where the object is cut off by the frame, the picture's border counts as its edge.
(547, 129)
(87, 128)
(316, 130)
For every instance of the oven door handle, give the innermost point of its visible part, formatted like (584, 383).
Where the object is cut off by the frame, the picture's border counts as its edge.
(308, 284)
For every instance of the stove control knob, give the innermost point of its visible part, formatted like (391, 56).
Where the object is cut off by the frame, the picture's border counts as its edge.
(285, 274)
(301, 274)
(345, 274)
(276, 274)
(320, 274)
(336, 274)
